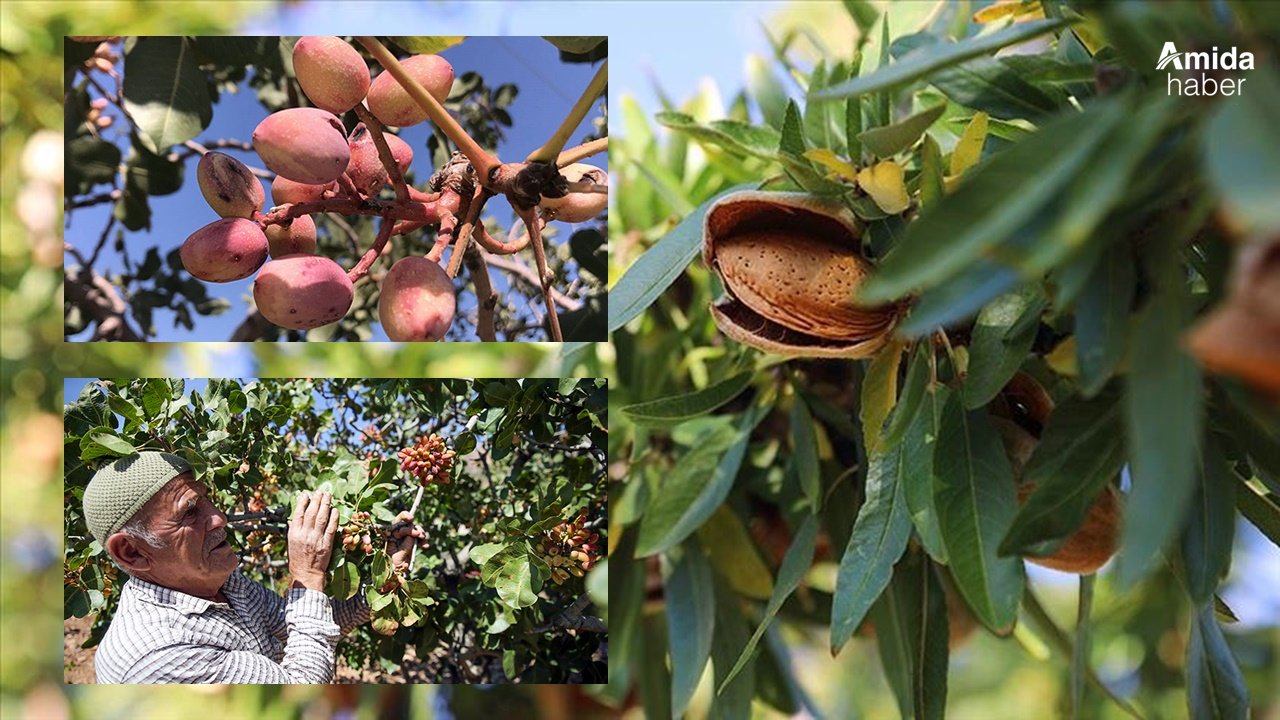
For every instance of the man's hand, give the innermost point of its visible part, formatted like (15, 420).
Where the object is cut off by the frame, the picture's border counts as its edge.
(311, 539)
(400, 540)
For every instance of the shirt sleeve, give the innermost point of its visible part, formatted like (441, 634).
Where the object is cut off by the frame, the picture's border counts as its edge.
(308, 652)
(352, 612)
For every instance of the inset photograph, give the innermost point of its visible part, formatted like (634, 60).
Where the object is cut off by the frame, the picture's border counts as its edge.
(335, 531)
(314, 188)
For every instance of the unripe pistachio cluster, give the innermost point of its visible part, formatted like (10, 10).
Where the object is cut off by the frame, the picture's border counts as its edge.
(570, 550)
(430, 460)
(358, 533)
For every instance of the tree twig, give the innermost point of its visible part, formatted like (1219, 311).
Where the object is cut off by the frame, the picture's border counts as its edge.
(529, 216)
(582, 152)
(98, 298)
(486, 298)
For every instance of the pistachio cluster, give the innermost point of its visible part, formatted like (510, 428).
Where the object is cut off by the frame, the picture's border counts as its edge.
(356, 533)
(569, 549)
(430, 460)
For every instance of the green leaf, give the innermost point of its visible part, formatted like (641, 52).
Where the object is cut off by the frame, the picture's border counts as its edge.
(1163, 412)
(691, 491)
(90, 161)
(464, 444)
(911, 631)
(863, 13)
(996, 199)
(737, 138)
(480, 554)
(986, 84)
(879, 536)
(913, 390)
(1210, 530)
(726, 539)
(434, 44)
(702, 495)
(1002, 337)
(1259, 509)
(730, 636)
(769, 94)
(343, 582)
(1102, 319)
(1215, 687)
(678, 408)
(653, 678)
(165, 92)
(791, 141)
(575, 44)
(654, 271)
(795, 564)
(879, 393)
(817, 115)
(918, 479)
(1241, 157)
(931, 183)
(514, 582)
(102, 442)
(691, 620)
(925, 60)
(976, 503)
(1081, 449)
(893, 139)
(804, 457)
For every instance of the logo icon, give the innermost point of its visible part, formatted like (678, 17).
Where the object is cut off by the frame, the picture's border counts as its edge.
(1168, 55)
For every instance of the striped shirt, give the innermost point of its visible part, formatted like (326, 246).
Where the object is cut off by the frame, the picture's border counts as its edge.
(159, 635)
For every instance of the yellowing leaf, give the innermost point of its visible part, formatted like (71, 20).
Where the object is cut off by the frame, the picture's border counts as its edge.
(883, 182)
(879, 392)
(840, 168)
(725, 537)
(1022, 9)
(1062, 359)
(969, 148)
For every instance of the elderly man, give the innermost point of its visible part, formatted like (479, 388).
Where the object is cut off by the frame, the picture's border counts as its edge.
(187, 614)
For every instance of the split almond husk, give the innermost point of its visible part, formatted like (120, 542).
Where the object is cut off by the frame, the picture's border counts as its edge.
(790, 265)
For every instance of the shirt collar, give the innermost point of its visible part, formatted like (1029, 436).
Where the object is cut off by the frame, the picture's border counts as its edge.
(182, 602)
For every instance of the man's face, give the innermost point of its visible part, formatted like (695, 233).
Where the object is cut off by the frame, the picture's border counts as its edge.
(197, 557)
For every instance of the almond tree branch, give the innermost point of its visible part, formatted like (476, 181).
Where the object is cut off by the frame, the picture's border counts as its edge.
(549, 151)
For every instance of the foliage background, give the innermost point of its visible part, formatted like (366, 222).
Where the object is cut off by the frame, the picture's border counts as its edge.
(723, 419)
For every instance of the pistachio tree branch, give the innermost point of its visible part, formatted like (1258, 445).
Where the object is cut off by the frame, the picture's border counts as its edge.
(362, 267)
(486, 298)
(96, 297)
(530, 218)
(462, 237)
(582, 152)
(525, 273)
(549, 151)
(480, 159)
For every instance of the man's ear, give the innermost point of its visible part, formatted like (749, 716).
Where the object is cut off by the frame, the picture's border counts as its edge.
(127, 552)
